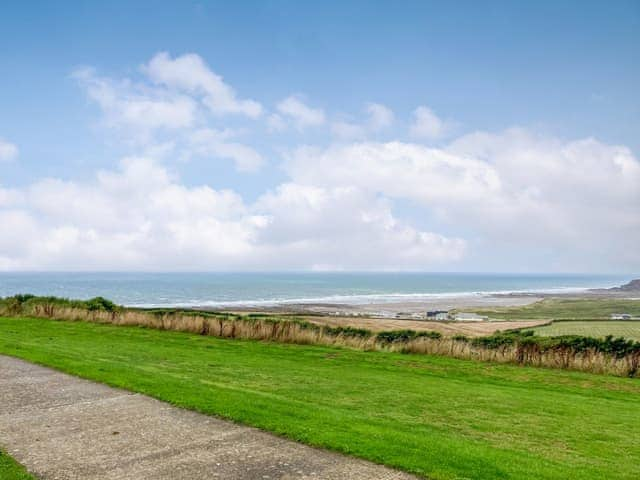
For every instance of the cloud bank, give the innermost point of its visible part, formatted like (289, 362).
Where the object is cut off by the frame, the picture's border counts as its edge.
(140, 217)
(363, 191)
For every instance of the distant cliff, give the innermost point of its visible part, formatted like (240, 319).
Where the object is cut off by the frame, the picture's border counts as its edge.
(632, 286)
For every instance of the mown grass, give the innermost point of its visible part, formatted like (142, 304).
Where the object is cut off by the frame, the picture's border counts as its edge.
(436, 416)
(559, 308)
(12, 470)
(626, 328)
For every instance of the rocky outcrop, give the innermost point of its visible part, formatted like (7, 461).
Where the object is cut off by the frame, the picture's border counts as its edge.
(632, 286)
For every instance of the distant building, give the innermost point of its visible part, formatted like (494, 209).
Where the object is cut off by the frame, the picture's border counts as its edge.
(439, 315)
(470, 317)
(620, 316)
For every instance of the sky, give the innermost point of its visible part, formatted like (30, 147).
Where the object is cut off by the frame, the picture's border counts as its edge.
(421, 136)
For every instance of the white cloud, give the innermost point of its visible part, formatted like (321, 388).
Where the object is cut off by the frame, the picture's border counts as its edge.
(136, 109)
(191, 74)
(380, 117)
(303, 115)
(347, 227)
(141, 217)
(348, 130)
(275, 123)
(396, 169)
(134, 217)
(8, 151)
(162, 115)
(210, 142)
(427, 124)
(578, 199)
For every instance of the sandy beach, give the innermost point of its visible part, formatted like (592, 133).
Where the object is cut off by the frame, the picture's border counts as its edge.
(406, 309)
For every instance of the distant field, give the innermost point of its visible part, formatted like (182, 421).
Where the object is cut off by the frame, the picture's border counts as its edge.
(438, 417)
(470, 329)
(626, 329)
(555, 308)
(11, 470)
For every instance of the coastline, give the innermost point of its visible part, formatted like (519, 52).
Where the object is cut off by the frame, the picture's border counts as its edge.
(403, 307)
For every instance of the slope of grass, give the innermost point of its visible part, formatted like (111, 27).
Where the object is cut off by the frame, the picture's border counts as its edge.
(627, 329)
(435, 416)
(559, 308)
(12, 470)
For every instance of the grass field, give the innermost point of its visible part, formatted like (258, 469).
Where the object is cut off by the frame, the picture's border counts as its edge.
(11, 470)
(627, 329)
(435, 416)
(573, 309)
(470, 329)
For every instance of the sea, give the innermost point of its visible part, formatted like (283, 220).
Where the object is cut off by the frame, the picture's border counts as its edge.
(281, 288)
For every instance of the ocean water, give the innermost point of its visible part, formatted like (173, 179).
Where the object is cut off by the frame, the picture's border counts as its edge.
(256, 289)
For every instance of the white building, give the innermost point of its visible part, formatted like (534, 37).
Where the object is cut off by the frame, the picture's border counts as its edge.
(620, 316)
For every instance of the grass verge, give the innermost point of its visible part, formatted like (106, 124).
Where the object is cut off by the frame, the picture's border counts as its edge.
(12, 470)
(438, 417)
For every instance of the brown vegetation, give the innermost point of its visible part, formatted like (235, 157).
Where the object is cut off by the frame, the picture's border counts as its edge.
(471, 329)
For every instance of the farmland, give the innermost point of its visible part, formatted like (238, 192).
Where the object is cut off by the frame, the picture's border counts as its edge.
(625, 328)
(565, 308)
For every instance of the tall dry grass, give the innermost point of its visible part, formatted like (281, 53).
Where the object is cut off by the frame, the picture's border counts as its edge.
(303, 333)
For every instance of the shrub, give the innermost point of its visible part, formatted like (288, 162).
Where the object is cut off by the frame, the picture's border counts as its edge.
(397, 336)
(460, 338)
(347, 332)
(100, 303)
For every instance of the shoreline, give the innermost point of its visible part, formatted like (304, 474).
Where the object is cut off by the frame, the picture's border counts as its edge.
(394, 308)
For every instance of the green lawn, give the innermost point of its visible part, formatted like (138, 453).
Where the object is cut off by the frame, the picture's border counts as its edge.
(12, 470)
(594, 328)
(436, 416)
(556, 308)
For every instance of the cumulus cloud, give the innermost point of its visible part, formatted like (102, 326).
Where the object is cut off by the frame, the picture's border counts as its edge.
(427, 124)
(514, 188)
(348, 130)
(346, 227)
(137, 109)
(8, 151)
(164, 112)
(133, 217)
(139, 216)
(302, 115)
(191, 74)
(379, 116)
(216, 143)
(275, 123)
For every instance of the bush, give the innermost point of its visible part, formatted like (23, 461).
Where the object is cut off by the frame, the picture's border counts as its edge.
(347, 332)
(460, 338)
(397, 336)
(495, 341)
(100, 303)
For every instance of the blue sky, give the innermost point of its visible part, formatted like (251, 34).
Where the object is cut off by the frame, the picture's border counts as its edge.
(504, 82)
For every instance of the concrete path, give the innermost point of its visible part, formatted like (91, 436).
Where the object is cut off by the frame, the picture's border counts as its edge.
(62, 427)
